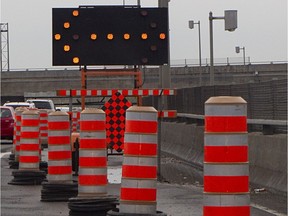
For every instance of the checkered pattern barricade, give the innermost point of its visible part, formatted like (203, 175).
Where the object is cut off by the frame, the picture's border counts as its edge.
(226, 165)
(43, 127)
(115, 110)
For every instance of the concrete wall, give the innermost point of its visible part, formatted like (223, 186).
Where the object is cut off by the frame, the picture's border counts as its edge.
(15, 83)
(267, 154)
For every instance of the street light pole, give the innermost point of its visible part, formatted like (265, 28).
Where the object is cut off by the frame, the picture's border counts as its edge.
(191, 26)
(230, 25)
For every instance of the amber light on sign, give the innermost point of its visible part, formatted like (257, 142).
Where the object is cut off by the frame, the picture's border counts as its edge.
(66, 25)
(66, 48)
(75, 13)
(76, 60)
(126, 36)
(162, 36)
(144, 36)
(93, 36)
(57, 36)
(110, 36)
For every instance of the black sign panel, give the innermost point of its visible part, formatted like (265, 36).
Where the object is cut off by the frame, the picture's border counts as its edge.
(110, 35)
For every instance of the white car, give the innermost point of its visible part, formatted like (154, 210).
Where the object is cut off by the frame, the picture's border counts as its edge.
(19, 104)
(42, 104)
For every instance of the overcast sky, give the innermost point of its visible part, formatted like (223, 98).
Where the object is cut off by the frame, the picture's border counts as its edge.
(262, 28)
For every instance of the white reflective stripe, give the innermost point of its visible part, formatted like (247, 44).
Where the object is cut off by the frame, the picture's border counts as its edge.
(134, 208)
(140, 92)
(141, 116)
(92, 171)
(93, 117)
(29, 141)
(58, 118)
(150, 92)
(57, 133)
(140, 138)
(30, 116)
(135, 183)
(226, 139)
(109, 92)
(93, 190)
(34, 166)
(171, 92)
(93, 135)
(130, 93)
(29, 153)
(67, 93)
(226, 170)
(88, 92)
(59, 177)
(120, 91)
(29, 129)
(99, 92)
(140, 161)
(56, 163)
(78, 93)
(92, 153)
(226, 200)
(59, 148)
(225, 110)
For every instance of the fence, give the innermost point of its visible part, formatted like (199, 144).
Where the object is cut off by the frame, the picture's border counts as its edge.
(266, 100)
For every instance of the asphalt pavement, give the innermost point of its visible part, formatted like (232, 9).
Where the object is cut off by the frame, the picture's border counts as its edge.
(172, 199)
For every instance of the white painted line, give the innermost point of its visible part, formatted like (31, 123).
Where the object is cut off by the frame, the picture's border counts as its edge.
(4, 154)
(114, 175)
(267, 210)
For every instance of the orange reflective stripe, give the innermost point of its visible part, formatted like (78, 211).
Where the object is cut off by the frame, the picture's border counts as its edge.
(140, 126)
(92, 180)
(29, 135)
(132, 171)
(29, 147)
(28, 159)
(226, 153)
(138, 194)
(54, 170)
(93, 161)
(93, 143)
(225, 124)
(30, 122)
(92, 125)
(58, 155)
(58, 125)
(140, 149)
(226, 184)
(226, 210)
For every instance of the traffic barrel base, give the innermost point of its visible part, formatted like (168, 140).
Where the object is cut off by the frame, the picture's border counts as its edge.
(27, 177)
(12, 157)
(115, 212)
(14, 164)
(57, 192)
(91, 206)
(43, 165)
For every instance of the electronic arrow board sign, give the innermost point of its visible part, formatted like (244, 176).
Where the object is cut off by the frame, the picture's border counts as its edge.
(110, 35)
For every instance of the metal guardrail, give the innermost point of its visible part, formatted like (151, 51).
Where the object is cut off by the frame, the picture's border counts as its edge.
(268, 124)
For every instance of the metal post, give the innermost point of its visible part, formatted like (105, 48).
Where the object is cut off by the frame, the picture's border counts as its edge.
(244, 55)
(211, 49)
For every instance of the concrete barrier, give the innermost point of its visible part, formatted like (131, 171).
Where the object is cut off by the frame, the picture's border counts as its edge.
(267, 154)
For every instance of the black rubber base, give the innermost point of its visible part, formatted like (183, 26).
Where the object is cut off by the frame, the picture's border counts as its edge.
(27, 177)
(115, 212)
(13, 164)
(52, 192)
(94, 206)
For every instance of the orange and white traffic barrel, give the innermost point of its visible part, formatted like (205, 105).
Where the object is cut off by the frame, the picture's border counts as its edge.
(226, 165)
(29, 157)
(60, 186)
(59, 148)
(139, 169)
(92, 178)
(43, 127)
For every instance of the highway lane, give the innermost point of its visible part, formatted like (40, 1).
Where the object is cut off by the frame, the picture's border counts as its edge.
(173, 199)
